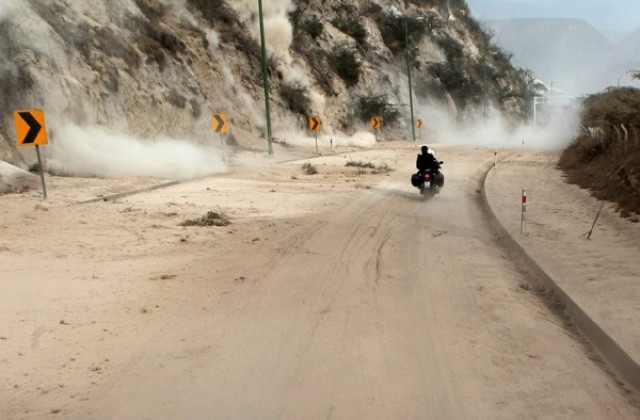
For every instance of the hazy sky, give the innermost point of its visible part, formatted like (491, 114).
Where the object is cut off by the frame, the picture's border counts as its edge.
(615, 17)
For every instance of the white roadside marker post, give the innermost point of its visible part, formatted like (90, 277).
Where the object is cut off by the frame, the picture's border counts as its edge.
(523, 222)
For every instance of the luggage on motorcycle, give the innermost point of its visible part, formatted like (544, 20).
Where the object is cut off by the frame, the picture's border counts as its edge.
(415, 180)
(439, 179)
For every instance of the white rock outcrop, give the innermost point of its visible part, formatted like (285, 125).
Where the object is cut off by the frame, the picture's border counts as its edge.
(16, 180)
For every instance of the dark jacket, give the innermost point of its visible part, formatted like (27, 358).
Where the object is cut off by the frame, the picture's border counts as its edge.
(427, 161)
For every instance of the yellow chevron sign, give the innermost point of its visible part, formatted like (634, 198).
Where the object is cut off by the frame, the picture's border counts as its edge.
(315, 124)
(30, 127)
(219, 123)
(376, 122)
(419, 123)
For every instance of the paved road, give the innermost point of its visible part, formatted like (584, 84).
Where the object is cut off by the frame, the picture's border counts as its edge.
(389, 307)
(323, 299)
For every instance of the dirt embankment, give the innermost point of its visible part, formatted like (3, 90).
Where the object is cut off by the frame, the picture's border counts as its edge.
(605, 158)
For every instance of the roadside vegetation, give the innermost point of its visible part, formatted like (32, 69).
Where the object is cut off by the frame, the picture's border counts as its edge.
(369, 167)
(605, 157)
(309, 169)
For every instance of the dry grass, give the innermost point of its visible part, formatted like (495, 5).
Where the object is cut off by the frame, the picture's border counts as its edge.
(309, 169)
(212, 218)
(607, 164)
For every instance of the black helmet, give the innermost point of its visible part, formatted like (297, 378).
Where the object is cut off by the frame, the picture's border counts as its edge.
(424, 149)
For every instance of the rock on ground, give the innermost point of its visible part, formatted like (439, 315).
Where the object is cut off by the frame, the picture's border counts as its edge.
(14, 179)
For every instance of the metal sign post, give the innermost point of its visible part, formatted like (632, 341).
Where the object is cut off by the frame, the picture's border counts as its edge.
(315, 124)
(265, 79)
(523, 222)
(419, 124)
(31, 131)
(220, 125)
(41, 166)
(376, 123)
(223, 140)
(409, 60)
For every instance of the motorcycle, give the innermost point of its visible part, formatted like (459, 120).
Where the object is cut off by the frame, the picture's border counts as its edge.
(430, 181)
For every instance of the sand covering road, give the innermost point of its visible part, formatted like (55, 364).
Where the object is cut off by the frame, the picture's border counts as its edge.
(336, 295)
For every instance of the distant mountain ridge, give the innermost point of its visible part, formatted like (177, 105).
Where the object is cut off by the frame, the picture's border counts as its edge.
(618, 18)
(570, 53)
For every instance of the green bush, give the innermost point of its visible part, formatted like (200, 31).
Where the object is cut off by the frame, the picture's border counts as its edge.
(296, 96)
(215, 11)
(317, 59)
(360, 164)
(440, 3)
(345, 8)
(309, 169)
(372, 105)
(352, 27)
(392, 29)
(373, 8)
(156, 42)
(452, 49)
(313, 26)
(344, 62)
(152, 9)
(453, 78)
(34, 168)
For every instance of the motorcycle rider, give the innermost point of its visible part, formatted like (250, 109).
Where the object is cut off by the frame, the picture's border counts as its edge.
(426, 161)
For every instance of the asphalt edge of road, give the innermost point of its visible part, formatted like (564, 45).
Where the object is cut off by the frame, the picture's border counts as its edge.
(117, 196)
(620, 360)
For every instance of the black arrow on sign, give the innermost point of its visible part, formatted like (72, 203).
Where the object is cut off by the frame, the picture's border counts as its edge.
(34, 127)
(316, 123)
(221, 123)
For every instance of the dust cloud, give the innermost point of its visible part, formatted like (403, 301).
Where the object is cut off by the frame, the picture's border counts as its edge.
(358, 139)
(94, 152)
(7, 7)
(555, 131)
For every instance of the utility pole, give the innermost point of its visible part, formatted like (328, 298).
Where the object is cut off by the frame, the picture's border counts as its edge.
(408, 57)
(484, 84)
(265, 79)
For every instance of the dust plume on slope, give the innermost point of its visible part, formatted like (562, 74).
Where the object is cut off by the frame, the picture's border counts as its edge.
(94, 152)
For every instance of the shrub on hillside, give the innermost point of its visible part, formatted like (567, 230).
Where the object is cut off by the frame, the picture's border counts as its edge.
(440, 3)
(232, 31)
(392, 29)
(296, 96)
(317, 59)
(313, 26)
(452, 76)
(373, 105)
(453, 50)
(352, 27)
(344, 62)
(309, 169)
(154, 10)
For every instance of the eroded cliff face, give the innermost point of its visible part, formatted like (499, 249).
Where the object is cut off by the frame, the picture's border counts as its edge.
(155, 68)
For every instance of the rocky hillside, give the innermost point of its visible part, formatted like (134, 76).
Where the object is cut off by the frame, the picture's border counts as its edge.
(159, 68)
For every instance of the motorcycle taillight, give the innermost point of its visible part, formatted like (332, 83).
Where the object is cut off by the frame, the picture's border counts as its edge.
(427, 176)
